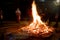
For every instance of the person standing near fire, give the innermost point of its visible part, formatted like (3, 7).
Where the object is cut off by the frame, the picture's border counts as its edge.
(18, 14)
(1, 17)
(56, 20)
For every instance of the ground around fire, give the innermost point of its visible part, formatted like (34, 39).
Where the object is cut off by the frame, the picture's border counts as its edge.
(12, 26)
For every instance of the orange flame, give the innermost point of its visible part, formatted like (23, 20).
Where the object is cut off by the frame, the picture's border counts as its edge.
(37, 26)
(36, 18)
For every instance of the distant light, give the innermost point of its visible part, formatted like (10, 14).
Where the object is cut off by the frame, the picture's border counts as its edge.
(57, 1)
(42, 0)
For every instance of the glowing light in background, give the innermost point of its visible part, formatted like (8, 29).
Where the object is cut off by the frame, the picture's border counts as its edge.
(42, 0)
(57, 2)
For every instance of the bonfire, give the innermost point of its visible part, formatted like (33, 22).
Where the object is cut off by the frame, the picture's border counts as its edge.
(37, 27)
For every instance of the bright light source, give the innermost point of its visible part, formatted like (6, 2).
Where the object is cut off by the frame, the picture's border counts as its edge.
(57, 1)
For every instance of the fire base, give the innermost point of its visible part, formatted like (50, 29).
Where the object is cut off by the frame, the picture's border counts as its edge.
(26, 31)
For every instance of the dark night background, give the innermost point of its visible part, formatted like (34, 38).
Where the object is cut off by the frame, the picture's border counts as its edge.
(9, 7)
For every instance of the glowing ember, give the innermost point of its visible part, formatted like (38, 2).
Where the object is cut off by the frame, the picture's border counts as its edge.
(37, 26)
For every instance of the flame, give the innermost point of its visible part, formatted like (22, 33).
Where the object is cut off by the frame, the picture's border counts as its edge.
(36, 18)
(35, 15)
(37, 26)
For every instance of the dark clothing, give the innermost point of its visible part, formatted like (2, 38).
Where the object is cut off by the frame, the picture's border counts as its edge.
(1, 17)
(1, 22)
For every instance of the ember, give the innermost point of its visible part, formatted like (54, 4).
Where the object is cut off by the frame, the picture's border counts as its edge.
(37, 27)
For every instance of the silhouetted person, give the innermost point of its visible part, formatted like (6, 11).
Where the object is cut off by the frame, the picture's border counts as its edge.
(56, 20)
(18, 14)
(1, 17)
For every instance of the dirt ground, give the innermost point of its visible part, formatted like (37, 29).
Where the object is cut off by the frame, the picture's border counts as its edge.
(10, 27)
